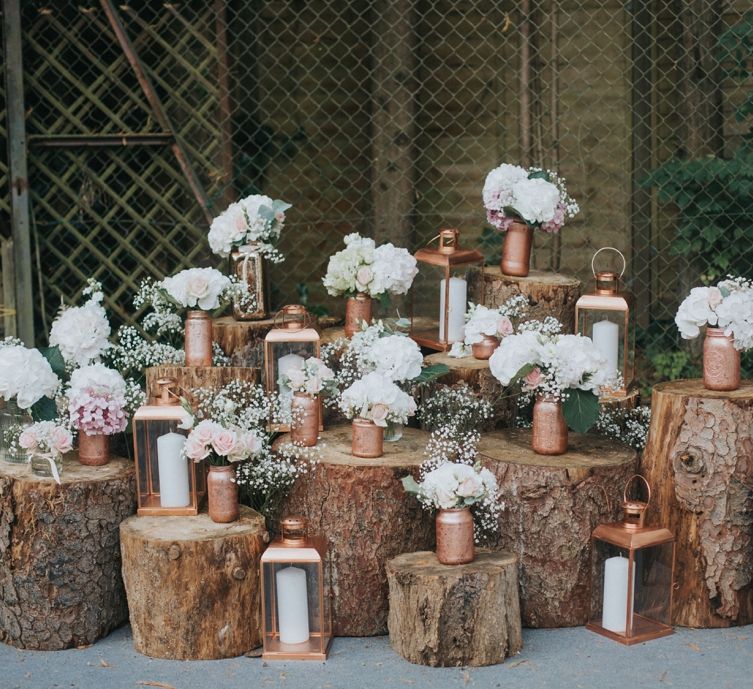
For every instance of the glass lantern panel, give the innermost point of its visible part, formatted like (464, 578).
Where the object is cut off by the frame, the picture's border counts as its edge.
(431, 296)
(607, 330)
(653, 586)
(610, 575)
(286, 356)
(146, 438)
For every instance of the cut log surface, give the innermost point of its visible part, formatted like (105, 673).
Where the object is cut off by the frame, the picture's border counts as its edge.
(60, 581)
(192, 377)
(699, 462)
(623, 402)
(453, 615)
(193, 585)
(367, 517)
(551, 506)
(550, 294)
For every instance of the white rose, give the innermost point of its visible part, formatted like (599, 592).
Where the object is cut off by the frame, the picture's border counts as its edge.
(535, 200)
(197, 287)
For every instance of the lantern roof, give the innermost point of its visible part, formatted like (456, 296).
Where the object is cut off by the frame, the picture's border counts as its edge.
(623, 536)
(448, 252)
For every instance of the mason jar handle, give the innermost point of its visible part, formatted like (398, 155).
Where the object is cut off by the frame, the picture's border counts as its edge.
(629, 483)
(609, 248)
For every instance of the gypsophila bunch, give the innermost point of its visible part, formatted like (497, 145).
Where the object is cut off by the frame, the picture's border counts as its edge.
(131, 354)
(239, 403)
(26, 375)
(376, 398)
(312, 378)
(457, 407)
(628, 426)
(163, 320)
(447, 444)
(97, 400)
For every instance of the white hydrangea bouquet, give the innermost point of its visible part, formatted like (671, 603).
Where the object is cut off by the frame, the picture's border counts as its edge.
(377, 398)
(482, 322)
(27, 377)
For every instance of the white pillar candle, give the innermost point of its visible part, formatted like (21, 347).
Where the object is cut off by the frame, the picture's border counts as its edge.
(292, 605)
(614, 607)
(606, 337)
(456, 319)
(286, 363)
(173, 471)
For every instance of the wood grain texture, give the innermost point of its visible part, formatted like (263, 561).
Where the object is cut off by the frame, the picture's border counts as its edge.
(699, 462)
(192, 377)
(242, 341)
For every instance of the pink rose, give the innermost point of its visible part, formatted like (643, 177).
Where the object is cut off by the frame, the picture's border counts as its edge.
(204, 432)
(27, 440)
(504, 326)
(379, 414)
(239, 220)
(533, 378)
(61, 440)
(469, 487)
(364, 275)
(196, 450)
(279, 216)
(224, 442)
(715, 297)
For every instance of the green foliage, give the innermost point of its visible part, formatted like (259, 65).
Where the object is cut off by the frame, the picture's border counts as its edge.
(490, 245)
(581, 409)
(304, 299)
(430, 373)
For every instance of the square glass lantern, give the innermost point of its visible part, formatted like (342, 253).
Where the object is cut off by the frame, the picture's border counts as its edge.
(168, 483)
(439, 295)
(606, 316)
(632, 577)
(296, 595)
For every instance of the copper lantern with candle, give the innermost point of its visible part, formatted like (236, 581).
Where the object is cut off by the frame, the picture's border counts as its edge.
(605, 315)
(167, 482)
(632, 576)
(439, 296)
(296, 595)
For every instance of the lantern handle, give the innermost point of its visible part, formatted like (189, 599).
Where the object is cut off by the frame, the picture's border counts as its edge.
(630, 481)
(609, 248)
(606, 498)
(294, 310)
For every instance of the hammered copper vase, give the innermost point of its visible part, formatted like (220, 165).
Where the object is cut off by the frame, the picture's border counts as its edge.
(304, 428)
(93, 450)
(247, 264)
(455, 536)
(516, 251)
(549, 435)
(357, 309)
(721, 361)
(222, 494)
(198, 339)
(367, 440)
(483, 350)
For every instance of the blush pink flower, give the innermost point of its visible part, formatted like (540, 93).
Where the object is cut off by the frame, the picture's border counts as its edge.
(533, 379)
(61, 440)
(364, 275)
(195, 449)
(224, 442)
(504, 326)
(28, 440)
(379, 414)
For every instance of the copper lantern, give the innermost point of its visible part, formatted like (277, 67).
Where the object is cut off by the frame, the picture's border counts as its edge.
(439, 296)
(167, 482)
(296, 595)
(605, 315)
(632, 575)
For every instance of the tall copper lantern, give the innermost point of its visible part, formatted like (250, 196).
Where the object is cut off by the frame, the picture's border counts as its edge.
(606, 316)
(632, 576)
(167, 483)
(296, 595)
(439, 295)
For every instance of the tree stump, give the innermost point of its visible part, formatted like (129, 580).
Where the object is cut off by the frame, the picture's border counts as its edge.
(367, 517)
(193, 585)
(550, 294)
(551, 506)
(60, 582)
(189, 378)
(622, 403)
(452, 615)
(699, 462)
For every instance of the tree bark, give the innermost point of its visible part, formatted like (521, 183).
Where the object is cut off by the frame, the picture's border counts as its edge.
(454, 615)
(699, 462)
(60, 582)
(190, 378)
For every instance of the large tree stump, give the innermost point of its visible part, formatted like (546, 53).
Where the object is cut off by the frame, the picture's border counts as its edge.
(193, 585)
(551, 506)
(60, 582)
(190, 378)
(550, 294)
(452, 615)
(367, 517)
(699, 462)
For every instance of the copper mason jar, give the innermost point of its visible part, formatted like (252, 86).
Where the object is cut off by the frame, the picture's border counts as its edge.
(516, 252)
(93, 450)
(721, 361)
(357, 309)
(304, 428)
(198, 339)
(455, 536)
(368, 439)
(549, 435)
(483, 350)
(222, 494)
(247, 264)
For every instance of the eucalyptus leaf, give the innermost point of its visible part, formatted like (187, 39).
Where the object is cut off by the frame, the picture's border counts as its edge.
(410, 485)
(581, 410)
(429, 373)
(55, 359)
(44, 410)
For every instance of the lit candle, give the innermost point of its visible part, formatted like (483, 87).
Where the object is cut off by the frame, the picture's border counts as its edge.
(456, 319)
(606, 337)
(173, 471)
(292, 605)
(286, 363)
(614, 607)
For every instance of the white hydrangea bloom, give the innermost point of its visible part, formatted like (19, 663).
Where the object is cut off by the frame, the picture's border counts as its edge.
(26, 376)
(377, 398)
(513, 353)
(535, 200)
(81, 333)
(696, 311)
(396, 356)
(498, 186)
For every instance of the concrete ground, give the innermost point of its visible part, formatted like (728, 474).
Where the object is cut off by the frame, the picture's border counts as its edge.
(561, 658)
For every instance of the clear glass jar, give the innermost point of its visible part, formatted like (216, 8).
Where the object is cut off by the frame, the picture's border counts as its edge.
(393, 432)
(12, 417)
(41, 466)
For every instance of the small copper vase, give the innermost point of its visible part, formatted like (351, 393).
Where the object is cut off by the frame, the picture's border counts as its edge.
(357, 309)
(516, 252)
(721, 361)
(198, 339)
(455, 536)
(549, 435)
(483, 350)
(247, 264)
(304, 429)
(222, 494)
(368, 439)
(93, 450)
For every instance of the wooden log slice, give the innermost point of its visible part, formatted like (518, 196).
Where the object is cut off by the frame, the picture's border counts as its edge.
(551, 506)
(367, 517)
(623, 402)
(192, 377)
(60, 581)
(453, 615)
(699, 462)
(193, 585)
(550, 294)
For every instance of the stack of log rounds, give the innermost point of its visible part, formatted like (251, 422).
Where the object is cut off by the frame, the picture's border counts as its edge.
(190, 378)
(699, 463)
(551, 506)
(193, 585)
(60, 581)
(360, 506)
(454, 615)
